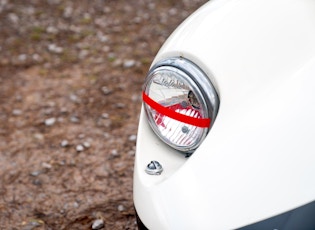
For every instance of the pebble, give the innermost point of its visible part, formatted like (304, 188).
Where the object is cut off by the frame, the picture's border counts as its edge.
(135, 97)
(74, 119)
(63, 110)
(52, 30)
(76, 204)
(55, 49)
(129, 63)
(173, 11)
(102, 37)
(117, 63)
(79, 148)
(98, 224)
(83, 54)
(50, 121)
(64, 143)
(17, 112)
(106, 135)
(106, 90)
(22, 57)
(120, 105)
(36, 57)
(86, 144)
(46, 165)
(67, 13)
(13, 18)
(53, 2)
(114, 152)
(105, 115)
(121, 208)
(74, 98)
(35, 173)
(33, 224)
(60, 119)
(39, 136)
(132, 137)
(105, 49)
(37, 182)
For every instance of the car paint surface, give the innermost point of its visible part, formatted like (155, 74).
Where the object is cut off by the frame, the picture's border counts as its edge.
(258, 158)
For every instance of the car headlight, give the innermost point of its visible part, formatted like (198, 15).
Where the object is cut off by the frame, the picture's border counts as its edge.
(180, 102)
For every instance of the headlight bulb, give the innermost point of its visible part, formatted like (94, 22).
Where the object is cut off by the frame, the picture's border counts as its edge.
(180, 103)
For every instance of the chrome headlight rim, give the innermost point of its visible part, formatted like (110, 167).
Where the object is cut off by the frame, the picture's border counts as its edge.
(195, 78)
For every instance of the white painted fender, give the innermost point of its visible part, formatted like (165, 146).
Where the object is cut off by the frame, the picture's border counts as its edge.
(259, 158)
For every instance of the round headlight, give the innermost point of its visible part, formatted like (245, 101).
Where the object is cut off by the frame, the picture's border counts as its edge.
(180, 103)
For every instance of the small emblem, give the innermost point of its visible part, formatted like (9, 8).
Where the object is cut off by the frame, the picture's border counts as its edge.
(154, 168)
(185, 129)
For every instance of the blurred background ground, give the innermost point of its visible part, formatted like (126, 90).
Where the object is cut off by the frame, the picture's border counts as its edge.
(70, 94)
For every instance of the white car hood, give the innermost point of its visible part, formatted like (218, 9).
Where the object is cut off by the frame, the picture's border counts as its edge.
(258, 159)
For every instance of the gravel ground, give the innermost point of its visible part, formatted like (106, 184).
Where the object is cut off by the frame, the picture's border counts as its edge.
(70, 93)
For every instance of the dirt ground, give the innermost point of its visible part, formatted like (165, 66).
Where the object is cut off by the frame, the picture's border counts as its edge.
(71, 74)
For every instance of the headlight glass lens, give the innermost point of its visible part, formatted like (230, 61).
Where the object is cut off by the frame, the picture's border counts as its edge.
(180, 103)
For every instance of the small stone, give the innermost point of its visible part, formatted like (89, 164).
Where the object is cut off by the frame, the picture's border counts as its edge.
(98, 224)
(35, 173)
(106, 90)
(37, 182)
(135, 98)
(120, 105)
(129, 63)
(64, 143)
(75, 29)
(105, 115)
(46, 165)
(74, 119)
(48, 111)
(53, 2)
(63, 110)
(152, 6)
(67, 13)
(102, 37)
(137, 20)
(114, 152)
(83, 54)
(76, 204)
(55, 49)
(33, 224)
(132, 138)
(98, 60)
(52, 30)
(37, 57)
(106, 49)
(13, 18)
(121, 208)
(117, 62)
(173, 11)
(22, 57)
(39, 136)
(74, 98)
(86, 144)
(50, 121)
(79, 148)
(16, 112)
(107, 9)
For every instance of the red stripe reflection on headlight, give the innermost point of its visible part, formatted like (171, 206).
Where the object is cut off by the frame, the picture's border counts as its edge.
(199, 122)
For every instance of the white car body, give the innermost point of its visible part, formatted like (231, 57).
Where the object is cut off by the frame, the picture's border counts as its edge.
(258, 160)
